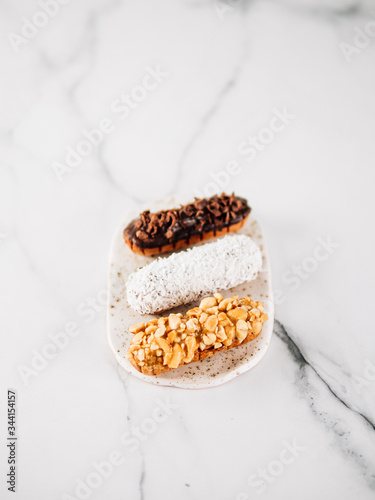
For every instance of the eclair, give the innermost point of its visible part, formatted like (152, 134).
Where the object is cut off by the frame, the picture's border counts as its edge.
(217, 325)
(168, 230)
(186, 276)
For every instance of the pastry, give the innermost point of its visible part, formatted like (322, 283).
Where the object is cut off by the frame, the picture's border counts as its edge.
(217, 325)
(165, 231)
(189, 275)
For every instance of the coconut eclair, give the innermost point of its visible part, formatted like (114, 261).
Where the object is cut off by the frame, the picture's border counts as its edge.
(189, 275)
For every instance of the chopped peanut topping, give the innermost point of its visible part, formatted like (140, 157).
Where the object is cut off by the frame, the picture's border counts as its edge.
(217, 324)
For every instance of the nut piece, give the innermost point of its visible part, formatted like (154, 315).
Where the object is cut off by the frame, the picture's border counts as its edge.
(211, 323)
(257, 327)
(207, 303)
(209, 339)
(255, 312)
(230, 332)
(137, 328)
(163, 344)
(224, 303)
(237, 314)
(194, 312)
(141, 354)
(241, 330)
(137, 338)
(223, 319)
(177, 356)
(191, 345)
(203, 318)
(174, 321)
(151, 329)
(212, 310)
(160, 331)
(241, 325)
(221, 335)
(191, 325)
(172, 336)
(241, 335)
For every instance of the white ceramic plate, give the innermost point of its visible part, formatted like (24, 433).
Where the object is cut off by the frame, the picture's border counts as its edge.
(209, 372)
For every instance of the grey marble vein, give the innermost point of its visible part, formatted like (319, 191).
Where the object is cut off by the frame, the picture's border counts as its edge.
(343, 429)
(302, 362)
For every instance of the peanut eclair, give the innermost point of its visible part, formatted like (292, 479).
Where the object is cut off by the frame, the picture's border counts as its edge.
(191, 274)
(217, 325)
(167, 230)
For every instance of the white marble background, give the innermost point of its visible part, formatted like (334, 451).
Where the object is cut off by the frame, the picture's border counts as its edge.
(229, 65)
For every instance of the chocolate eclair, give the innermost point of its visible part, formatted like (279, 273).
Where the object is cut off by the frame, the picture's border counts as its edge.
(203, 219)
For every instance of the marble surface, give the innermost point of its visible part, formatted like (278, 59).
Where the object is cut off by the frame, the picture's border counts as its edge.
(271, 99)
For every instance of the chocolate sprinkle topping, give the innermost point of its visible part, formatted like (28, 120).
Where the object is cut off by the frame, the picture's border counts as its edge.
(152, 230)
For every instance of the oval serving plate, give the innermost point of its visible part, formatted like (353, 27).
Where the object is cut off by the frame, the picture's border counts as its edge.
(212, 371)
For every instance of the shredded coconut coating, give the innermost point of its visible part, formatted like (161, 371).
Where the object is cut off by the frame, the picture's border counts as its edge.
(189, 275)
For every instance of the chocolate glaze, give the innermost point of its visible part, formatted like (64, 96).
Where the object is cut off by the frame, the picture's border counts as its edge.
(153, 230)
